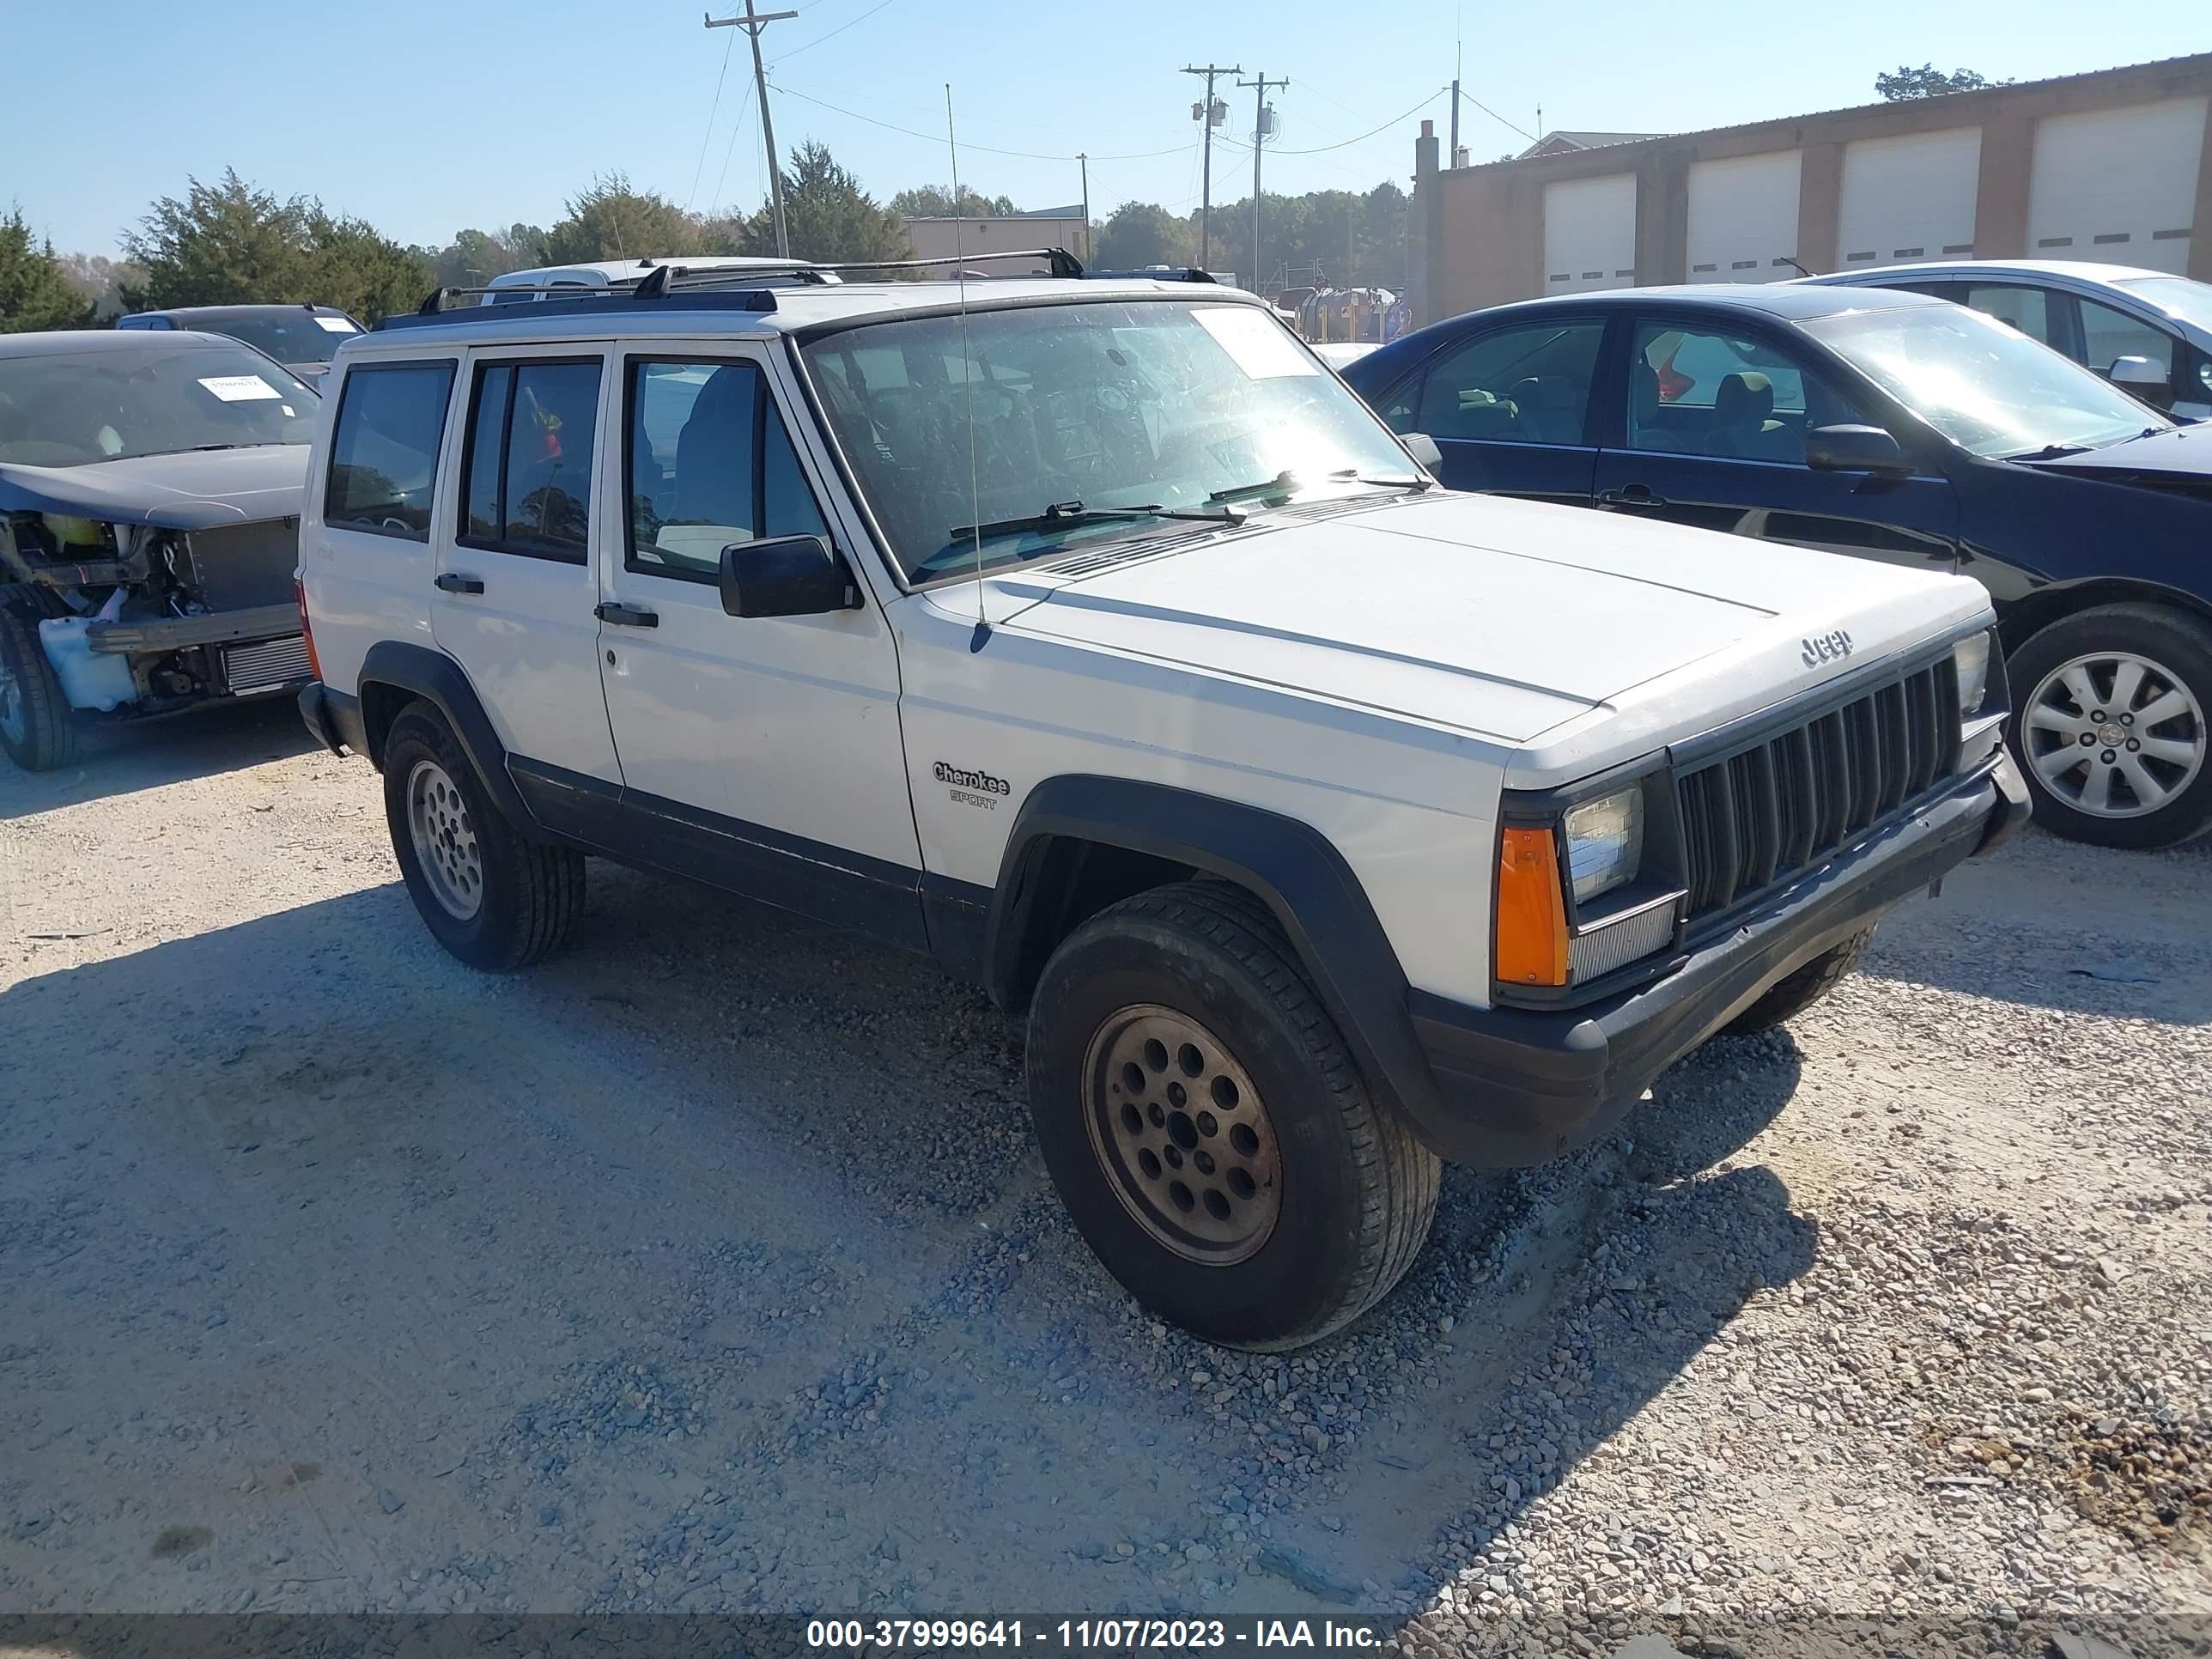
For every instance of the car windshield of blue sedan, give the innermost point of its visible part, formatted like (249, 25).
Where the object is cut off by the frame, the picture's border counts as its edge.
(1021, 433)
(77, 408)
(1987, 388)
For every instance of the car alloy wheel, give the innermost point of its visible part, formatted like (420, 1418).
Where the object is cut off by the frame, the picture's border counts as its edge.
(2114, 734)
(445, 840)
(1182, 1134)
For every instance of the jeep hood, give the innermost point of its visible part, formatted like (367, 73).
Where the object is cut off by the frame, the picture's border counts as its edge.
(196, 489)
(1500, 618)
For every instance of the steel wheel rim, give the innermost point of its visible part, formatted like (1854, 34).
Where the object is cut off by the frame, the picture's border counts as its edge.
(445, 840)
(2114, 734)
(1183, 1134)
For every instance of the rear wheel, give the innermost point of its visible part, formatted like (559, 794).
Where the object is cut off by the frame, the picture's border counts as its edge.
(494, 897)
(1207, 1128)
(2112, 729)
(36, 727)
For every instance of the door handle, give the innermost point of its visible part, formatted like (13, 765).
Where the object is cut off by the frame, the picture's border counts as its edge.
(627, 616)
(452, 581)
(1630, 495)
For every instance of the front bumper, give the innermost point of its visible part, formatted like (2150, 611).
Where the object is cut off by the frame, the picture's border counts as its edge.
(1515, 1087)
(333, 719)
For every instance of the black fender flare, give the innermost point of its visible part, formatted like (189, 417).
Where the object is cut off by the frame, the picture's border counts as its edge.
(1288, 865)
(444, 684)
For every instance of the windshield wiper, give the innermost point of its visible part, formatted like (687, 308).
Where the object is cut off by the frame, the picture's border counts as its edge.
(2051, 452)
(1065, 516)
(1281, 484)
(1415, 485)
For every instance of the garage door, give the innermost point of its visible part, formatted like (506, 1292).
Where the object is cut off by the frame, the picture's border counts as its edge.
(2117, 184)
(1743, 218)
(1909, 198)
(1590, 233)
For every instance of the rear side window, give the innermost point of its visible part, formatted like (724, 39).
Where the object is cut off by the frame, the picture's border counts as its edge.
(527, 476)
(710, 463)
(384, 449)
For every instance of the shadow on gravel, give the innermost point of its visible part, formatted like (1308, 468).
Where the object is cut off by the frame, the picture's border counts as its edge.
(123, 760)
(752, 1295)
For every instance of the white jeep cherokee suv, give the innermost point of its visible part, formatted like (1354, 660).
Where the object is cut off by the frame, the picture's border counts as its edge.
(1091, 639)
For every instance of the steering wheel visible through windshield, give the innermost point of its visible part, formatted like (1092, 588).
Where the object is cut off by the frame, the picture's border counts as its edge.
(1054, 426)
(1982, 383)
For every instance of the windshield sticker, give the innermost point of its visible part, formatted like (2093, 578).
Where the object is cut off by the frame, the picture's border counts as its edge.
(1255, 343)
(239, 388)
(336, 325)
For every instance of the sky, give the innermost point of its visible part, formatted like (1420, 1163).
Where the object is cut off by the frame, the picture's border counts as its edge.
(427, 117)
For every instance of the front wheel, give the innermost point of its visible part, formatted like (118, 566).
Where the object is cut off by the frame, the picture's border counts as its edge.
(36, 727)
(1792, 995)
(1206, 1127)
(2111, 730)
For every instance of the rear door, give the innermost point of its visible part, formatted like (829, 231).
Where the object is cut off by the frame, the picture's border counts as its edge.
(1714, 436)
(514, 595)
(1510, 407)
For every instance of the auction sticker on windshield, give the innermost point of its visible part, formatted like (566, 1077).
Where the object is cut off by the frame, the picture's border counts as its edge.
(239, 388)
(336, 325)
(1255, 343)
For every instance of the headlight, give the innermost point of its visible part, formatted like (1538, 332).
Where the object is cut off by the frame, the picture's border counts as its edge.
(1605, 844)
(1973, 657)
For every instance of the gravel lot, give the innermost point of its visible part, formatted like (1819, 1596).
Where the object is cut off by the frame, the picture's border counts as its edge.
(712, 1267)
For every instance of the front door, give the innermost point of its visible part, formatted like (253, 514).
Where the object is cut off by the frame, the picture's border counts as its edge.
(1715, 437)
(515, 589)
(1508, 408)
(761, 753)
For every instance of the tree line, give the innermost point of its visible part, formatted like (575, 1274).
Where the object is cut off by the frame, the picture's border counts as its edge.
(228, 242)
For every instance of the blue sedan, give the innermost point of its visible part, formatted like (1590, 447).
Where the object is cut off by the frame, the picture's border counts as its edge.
(1885, 425)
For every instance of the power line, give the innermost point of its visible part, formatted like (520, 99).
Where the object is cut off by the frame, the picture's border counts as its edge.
(729, 150)
(1323, 149)
(715, 109)
(835, 32)
(1495, 116)
(1025, 155)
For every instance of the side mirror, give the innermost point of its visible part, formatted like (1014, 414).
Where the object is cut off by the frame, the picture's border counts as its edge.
(1855, 449)
(1423, 448)
(786, 577)
(2140, 372)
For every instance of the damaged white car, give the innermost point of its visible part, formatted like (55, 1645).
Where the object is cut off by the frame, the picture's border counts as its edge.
(149, 504)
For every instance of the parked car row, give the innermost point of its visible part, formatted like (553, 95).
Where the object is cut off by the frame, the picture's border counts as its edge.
(1891, 426)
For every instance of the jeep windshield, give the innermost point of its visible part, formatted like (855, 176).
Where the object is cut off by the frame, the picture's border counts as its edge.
(111, 401)
(1058, 426)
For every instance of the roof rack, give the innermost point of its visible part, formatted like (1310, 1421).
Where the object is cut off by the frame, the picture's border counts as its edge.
(751, 288)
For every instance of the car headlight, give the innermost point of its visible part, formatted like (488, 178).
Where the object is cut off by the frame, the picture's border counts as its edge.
(1605, 844)
(1971, 656)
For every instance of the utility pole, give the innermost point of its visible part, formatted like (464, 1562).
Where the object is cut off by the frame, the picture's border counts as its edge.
(1212, 115)
(1083, 157)
(752, 23)
(1452, 154)
(1259, 142)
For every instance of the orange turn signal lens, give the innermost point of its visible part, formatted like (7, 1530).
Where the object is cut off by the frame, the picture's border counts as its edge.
(1532, 912)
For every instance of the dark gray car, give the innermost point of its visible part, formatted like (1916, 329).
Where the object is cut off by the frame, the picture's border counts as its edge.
(150, 489)
(302, 337)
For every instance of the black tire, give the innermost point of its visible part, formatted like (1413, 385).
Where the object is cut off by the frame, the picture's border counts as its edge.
(530, 892)
(36, 727)
(2181, 644)
(1357, 1192)
(1790, 996)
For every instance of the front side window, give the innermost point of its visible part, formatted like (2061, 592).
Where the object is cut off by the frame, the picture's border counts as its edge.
(2108, 335)
(146, 394)
(710, 463)
(1529, 384)
(384, 450)
(1129, 410)
(1987, 388)
(1697, 392)
(526, 477)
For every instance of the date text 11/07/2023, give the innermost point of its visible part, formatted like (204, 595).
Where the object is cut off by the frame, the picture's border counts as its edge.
(1091, 1635)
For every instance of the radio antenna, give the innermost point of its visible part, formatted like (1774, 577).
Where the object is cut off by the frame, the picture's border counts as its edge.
(982, 634)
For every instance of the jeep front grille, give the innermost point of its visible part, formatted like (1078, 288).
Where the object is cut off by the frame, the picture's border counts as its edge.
(1788, 803)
